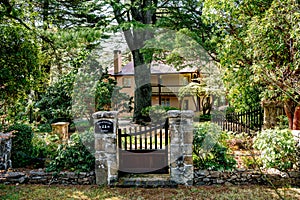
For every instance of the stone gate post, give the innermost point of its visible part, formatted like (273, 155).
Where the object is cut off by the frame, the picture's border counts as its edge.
(106, 166)
(181, 146)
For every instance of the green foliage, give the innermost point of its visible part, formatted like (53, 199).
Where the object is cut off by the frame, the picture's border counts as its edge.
(19, 71)
(157, 114)
(283, 122)
(72, 156)
(251, 163)
(21, 145)
(44, 148)
(104, 91)
(44, 128)
(210, 150)
(95, 90)
(109, 96)
(278, 148)
(257, 46)
(19, 61)
(203, 118)
(55, 103)
(88, 139)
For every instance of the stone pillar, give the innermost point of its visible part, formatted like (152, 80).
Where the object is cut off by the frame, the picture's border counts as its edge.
(5, 150)
(61, 129)
(106, 166)
(181, 146)
(272, 110)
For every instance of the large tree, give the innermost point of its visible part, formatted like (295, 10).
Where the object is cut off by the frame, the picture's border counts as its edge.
(259, 48)
(135, 18)
(40, 39)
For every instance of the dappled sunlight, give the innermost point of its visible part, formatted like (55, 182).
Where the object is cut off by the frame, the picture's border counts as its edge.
(79, 195)
(246, 192)
(113, 198)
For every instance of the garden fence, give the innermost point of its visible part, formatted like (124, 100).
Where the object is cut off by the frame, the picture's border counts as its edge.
(238, 122)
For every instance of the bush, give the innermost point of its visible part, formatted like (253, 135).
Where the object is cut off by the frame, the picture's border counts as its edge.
(44, 148)
(55, 104)
(72, 156)
(88, 139)
(210, 150)
(157, 113)
(203, 118)
(278, 148)
(21, 145)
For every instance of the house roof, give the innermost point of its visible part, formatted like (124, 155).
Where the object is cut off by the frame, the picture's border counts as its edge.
(156, 68)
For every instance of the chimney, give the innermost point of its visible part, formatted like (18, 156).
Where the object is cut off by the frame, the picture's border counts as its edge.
(117, 61)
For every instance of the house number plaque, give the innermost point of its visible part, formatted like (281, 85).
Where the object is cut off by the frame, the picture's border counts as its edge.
(104, 126)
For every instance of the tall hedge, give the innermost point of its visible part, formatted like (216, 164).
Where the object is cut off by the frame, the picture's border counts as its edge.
(21, 145)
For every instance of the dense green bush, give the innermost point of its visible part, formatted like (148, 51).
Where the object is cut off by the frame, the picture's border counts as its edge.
(210, 150)
(21, 145)
(72, 156)
(278, 148)
(203, 118)
(157, 114)
(44, 148)
(55, 104)
(87, 138)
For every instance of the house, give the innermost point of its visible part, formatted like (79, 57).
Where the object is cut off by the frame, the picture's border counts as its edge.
(165, 81)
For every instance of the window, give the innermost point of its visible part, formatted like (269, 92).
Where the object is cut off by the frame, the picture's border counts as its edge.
(165, 101)
(126, 82)
(185, 80)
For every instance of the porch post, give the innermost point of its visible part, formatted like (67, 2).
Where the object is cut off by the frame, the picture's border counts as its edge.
(181, 146)
(106, 166)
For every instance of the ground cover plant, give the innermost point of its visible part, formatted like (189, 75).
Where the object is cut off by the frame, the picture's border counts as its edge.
(278, 149)
(72, 156)
(210, 149)
(28, 192)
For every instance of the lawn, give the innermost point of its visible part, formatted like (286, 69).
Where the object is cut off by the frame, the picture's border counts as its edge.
(44, 192)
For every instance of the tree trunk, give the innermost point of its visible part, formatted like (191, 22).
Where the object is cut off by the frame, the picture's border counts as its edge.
(143, 12)
(292, 111)
(296, 120)
(143, 90)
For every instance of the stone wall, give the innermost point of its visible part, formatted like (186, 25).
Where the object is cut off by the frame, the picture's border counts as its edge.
(201, 177)
(5, 151)
(42, 177)
(245, 177)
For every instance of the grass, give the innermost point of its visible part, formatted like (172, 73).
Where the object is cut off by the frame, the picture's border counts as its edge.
(43, 192)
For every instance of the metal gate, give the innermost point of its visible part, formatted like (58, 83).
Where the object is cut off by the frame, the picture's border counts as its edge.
(144, 149)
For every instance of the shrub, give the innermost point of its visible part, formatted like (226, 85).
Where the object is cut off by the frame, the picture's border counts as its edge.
(157, 113)
(21, 145)
(55, 104)
(44, 148)
(203, 118)
(210, 150)
(251, 162)
(87, 138)
(72, 156)
(278, 148)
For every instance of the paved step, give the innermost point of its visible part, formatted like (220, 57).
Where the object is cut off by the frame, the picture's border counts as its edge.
(146, 181)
